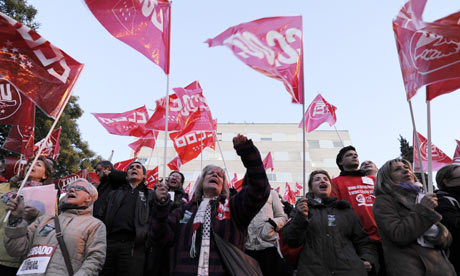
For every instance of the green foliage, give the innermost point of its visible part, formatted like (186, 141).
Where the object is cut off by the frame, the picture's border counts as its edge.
(406, 149)
(20, 11)
(74, 153)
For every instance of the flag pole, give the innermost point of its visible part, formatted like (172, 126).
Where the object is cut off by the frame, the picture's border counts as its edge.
(430, 164)
(111, 156)
(166, 128)
(417, 144)
(201, 153)
(40, 149)
(303, 122)
(223, 159)
(340, 138)
(150, 158)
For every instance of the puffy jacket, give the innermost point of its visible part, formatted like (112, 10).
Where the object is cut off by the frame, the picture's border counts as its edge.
(401, 221)
(261, 233)
(84, 236)
(334, 241)
(5, 258)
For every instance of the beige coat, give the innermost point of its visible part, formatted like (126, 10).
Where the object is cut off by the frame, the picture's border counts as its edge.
(84, 236)
(261, 234)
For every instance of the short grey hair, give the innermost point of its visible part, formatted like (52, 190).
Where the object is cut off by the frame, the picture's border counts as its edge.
(90, 187)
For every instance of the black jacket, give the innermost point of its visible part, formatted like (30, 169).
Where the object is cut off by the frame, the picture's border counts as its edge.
(111, 182)
(449, 208)
(334, 241)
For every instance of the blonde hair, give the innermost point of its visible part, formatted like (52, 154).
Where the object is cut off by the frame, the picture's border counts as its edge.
(384, 183)
(199, 186)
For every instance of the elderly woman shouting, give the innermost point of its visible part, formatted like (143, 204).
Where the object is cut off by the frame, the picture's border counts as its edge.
(413, 238)
(189, 229)
(83, 236)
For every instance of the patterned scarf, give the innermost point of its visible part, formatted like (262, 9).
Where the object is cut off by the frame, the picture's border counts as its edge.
(202, 217)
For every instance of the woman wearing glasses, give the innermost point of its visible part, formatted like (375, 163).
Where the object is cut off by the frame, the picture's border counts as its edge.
(84, 235)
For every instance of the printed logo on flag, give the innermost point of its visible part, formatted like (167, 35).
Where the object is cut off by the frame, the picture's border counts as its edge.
(125, 12)
(10, 99)
(319, 111)
(436, 153)
(431, 52)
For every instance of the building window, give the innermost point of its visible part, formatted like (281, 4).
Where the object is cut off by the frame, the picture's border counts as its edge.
(265, 138)
(271, 176)
(337, 144)
(313, 144)
(219, 136)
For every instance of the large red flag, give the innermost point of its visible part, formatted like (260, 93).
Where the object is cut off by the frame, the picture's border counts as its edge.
(272, 46)
(52, 146)
(439, 158)
(151, 178)
(175, 164)
(143, 25)
(35, 67)
(146, 141)
(19, 140)
(268, 162)
(15, 108)
(429, 53)
(157, 120)
(318, 112)
(188, 145)
(129, 123)
(456, 159)
(123, 165)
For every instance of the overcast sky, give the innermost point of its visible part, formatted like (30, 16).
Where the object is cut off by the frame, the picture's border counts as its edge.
(350, 58)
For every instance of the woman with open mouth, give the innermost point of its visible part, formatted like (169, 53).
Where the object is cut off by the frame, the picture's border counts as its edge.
(212, 215)
(333, 240)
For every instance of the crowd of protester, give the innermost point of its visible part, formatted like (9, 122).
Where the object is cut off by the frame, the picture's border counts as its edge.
(366, 221)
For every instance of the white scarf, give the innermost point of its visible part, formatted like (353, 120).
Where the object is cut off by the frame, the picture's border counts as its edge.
(203, 216)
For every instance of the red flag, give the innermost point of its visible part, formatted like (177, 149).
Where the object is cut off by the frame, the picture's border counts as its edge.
(268, 162)
(456, 159)
(233, 181)
(93, 177)
(187, 189)
(289, 196)
(66, 180)
(20, 140)
(175, 164)
(187, 105)
(146, 141)
(52, 146)
(238, 185)
(143, 25)
(151, 178)
(129, 123)
(36, 68)
(15, 108)
(439, 158)
(123, 165)
(188, 145)
(278, 189)
(429, 53)
(298, 189)
(318, 112)
(272, 46)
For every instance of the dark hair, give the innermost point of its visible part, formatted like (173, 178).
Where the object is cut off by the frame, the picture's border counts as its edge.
(48, 170)
(445, 173)
(181, 175)
(313, 173)
(104, 164)
(143, 168)
(341, 154)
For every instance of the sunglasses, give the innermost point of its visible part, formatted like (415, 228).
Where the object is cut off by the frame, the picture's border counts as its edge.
(77, 188)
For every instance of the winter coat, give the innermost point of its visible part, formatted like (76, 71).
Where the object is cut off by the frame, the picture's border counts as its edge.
(230, 218)
(449, 208)
(84, 236)
(5, 258)
(110, 182)
(334, 241)
(358, 190)
(261, 233)
(401, 221)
